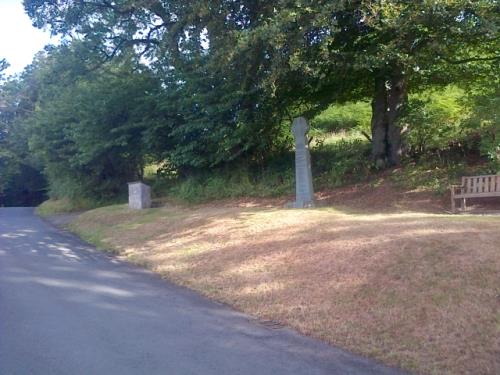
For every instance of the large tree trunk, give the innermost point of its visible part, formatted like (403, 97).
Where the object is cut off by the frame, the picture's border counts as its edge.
(379, 124)
(397, 99)
(388, 105)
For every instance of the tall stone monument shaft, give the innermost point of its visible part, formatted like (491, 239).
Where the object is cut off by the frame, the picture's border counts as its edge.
(304, 193)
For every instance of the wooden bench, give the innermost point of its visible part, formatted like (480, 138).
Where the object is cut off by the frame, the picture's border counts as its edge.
(475, 187)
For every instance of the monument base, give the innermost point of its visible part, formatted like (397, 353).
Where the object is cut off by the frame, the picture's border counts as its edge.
(296, 204)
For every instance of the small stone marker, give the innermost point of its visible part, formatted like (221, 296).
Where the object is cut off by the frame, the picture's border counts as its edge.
(139, 195)
(303, 176)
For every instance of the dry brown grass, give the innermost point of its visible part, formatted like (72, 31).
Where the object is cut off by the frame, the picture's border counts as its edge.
(419, 291)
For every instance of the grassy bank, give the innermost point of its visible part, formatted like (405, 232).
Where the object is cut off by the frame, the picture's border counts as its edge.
(414, 290)
(65, 205)
(339, 162)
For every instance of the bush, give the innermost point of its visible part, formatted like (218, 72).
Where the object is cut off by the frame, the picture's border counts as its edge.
(333, 164)
(434, 121)
(343, 162)
(346, 117)
(235, 181)
(483, 124)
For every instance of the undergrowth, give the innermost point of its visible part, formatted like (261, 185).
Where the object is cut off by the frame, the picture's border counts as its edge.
(339, 161)
(333, 164)
(436, 175)
(65, 205)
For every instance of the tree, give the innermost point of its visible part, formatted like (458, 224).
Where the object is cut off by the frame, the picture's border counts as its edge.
(87, 125)
(288, 57)
(220, 112)
(21, 181)
(326, 51)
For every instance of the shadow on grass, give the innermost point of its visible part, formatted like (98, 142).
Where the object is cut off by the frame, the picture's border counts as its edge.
(415, 290)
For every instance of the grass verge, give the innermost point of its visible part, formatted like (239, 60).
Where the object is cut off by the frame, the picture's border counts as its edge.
(65, 205)
(419, 291)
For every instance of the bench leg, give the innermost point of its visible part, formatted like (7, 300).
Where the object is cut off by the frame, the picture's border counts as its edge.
(453, 206)
(464, 204)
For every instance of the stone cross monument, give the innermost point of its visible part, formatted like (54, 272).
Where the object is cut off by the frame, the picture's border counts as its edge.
(139, 195)
(303, 175)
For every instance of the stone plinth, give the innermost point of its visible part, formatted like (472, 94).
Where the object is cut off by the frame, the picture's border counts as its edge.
(304, 193)
(139, 196)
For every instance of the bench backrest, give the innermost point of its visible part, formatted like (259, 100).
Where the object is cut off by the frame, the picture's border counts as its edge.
(481, 184)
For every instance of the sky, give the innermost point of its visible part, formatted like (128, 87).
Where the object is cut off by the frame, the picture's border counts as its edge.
(19, 40)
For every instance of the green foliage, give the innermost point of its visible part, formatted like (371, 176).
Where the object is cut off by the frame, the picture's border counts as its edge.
(223, 81)
(452, 120)
(204, 120)
(236, 70)
(346, 117)
(343, 162)
(483, 123)
(87, 128)
(434, 120)
(334, 164)
(21, 181)
(236, 181)
(25, 187)
(65, 205)
(434, 175)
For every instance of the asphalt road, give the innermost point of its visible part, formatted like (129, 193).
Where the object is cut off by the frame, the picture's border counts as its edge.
(66, 308)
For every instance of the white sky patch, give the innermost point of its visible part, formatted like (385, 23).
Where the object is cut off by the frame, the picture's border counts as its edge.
(205, 42)
(19, 40)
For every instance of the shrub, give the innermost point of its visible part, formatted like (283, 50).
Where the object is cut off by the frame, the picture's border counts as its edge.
(343, 162)
(334, 164)
(434, 121)
(346, 117)
(483, 124)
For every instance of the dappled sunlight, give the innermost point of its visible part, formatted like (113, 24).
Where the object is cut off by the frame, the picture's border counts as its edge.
(13, 235)
(256, 265)
(63, 251)
(175, 268)
(267, 287)
(75, 285)
(108, 274)
(69, 270)
(407, 282)
(19, 233)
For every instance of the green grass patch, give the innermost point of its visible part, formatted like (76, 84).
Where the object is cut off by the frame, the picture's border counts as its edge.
(346, 117)
(65, 205)
(95, 237)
